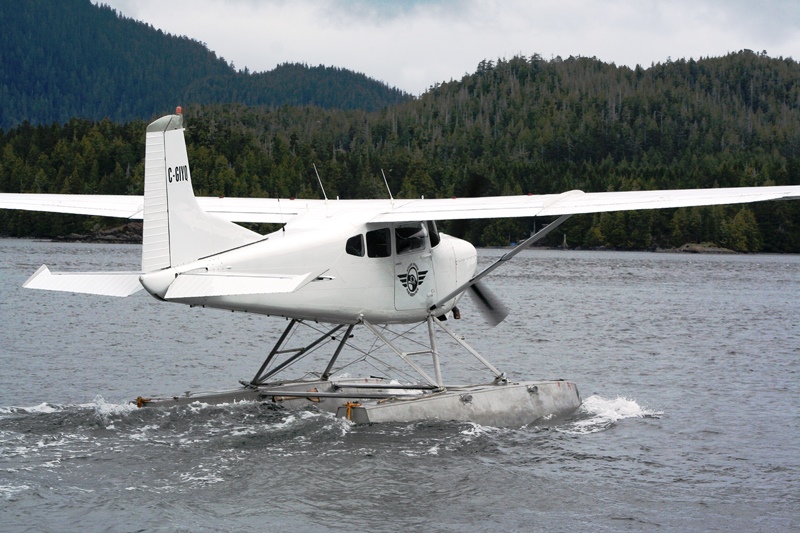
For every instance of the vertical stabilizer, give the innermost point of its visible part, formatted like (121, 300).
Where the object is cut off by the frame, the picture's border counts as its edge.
(176, 230)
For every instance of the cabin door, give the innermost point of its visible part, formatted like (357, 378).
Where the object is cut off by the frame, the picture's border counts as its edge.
(413, 267)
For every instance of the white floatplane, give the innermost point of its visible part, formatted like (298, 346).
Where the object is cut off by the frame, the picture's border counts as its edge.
(366, 264)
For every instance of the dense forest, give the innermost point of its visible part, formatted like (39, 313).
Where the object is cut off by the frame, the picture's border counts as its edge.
(523, 125)
(70, 58)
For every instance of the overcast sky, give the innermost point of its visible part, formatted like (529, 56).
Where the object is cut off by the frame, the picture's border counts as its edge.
(414, 44)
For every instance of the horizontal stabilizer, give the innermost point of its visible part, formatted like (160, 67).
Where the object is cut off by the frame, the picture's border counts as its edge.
(103, 283)
(206, 284)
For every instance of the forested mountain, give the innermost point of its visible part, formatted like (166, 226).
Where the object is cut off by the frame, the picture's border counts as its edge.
(69, 58)
(513, 127)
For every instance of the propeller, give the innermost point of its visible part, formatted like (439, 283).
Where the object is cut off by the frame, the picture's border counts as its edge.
(489, 305)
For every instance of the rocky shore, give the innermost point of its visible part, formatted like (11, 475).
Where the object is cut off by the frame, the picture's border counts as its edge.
(697, 248)
(129, 233)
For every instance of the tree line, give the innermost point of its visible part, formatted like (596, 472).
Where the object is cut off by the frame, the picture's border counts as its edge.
(515, 126)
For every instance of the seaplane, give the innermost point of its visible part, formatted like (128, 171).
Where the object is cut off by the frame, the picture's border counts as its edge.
(345, 267)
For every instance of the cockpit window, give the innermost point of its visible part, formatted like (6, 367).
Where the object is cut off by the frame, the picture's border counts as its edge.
(409, 237)
(433, 231)
(355, 246)
(379, 243)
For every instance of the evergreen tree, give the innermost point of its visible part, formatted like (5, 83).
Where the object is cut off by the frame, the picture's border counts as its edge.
(517, 126)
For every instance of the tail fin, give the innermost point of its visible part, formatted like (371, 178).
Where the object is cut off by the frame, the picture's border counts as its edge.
(176, 230)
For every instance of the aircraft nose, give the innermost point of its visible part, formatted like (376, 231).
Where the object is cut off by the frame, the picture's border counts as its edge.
(466, 259)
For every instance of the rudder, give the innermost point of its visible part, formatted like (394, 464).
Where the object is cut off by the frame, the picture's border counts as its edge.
(176, 229)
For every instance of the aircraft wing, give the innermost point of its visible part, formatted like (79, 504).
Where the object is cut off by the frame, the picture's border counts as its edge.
(79, 204)
(264, 210)
(576, 202)
(270, 210)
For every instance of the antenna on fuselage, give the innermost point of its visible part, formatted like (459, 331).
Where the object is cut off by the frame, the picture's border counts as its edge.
(280, 210)
(387, 186)
(320, 182)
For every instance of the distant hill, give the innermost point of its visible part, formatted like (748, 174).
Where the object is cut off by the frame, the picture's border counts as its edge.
(71, 59)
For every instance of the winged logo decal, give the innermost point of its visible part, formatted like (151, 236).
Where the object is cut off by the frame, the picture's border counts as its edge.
(412, 279)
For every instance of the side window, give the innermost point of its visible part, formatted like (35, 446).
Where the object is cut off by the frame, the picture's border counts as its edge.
(355, 246)
(409, 237)
(379, 243)
(433, 231)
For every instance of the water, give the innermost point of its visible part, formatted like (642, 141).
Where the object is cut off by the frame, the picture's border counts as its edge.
(688, 366)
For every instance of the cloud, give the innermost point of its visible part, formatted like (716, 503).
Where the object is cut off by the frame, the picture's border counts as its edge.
(415, 44)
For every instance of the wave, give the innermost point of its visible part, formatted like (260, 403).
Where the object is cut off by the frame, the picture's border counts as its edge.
(99, 405)
(51, 432)
(598, 414)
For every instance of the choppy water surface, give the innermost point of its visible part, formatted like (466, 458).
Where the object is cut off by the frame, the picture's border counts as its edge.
(688, 366)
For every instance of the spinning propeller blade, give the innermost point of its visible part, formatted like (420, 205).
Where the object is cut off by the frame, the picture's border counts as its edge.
(492, 309)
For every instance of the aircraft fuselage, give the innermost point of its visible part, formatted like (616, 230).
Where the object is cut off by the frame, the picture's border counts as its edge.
(339, 272)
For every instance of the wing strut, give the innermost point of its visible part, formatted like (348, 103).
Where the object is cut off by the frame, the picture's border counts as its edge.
(506, 256)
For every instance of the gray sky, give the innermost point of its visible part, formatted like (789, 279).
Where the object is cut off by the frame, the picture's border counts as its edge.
(414, 44)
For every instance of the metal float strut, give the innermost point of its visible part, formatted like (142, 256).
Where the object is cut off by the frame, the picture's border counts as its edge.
(261, 377)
